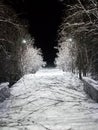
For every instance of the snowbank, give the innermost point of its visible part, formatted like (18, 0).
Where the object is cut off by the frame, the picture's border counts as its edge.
(4, 91)
(91, 88)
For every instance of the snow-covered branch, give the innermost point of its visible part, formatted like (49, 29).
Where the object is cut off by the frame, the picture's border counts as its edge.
(81, 24)
(31, 59)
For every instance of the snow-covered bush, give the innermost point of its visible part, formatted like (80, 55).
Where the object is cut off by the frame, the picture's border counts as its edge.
(66, 56)
(31, 58)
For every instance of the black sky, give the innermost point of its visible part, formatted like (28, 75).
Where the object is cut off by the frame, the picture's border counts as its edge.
(44, 18)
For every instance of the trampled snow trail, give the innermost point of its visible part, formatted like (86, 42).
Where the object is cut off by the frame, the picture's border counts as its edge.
(48, 100)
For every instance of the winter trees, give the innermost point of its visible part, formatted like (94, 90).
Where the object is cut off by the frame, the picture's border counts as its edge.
(31, 59)
(81, 23)
(66, 57)
(17, 54)
(10, 31)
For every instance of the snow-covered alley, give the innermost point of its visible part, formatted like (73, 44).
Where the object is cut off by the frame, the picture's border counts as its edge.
(48, 100)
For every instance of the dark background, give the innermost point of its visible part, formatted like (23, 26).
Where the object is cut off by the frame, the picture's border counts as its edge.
(44, 18)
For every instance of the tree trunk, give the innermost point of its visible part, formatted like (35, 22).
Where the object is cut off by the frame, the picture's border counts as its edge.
(84, 72)
(80, 66)
(80, 74)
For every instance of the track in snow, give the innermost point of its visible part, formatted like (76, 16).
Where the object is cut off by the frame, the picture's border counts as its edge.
(48, 100)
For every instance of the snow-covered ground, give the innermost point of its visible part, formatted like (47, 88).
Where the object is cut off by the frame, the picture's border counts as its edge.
(91, 82)
(48, 100)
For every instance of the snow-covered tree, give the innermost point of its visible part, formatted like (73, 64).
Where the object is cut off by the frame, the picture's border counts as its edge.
(10, 32)
(31, 59)
(66, 57)
(17, 52)
(81, 23)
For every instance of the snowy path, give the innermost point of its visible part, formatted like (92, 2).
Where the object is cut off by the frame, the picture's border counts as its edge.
(48, 100)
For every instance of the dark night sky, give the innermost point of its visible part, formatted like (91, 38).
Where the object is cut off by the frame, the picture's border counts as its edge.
(44, 17)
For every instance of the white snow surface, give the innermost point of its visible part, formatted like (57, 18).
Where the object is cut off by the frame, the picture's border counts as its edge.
(48, 100)
(92, 82)
(3, 85)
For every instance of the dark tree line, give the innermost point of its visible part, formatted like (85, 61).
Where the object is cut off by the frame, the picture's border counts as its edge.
(81, 25)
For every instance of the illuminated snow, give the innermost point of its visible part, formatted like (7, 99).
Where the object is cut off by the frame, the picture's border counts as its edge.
(70, 39)
(48, 100)
(24, 41)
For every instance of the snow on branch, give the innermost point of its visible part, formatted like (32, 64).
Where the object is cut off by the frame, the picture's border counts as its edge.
(31, 58)
(81, 24)
(66, 56)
